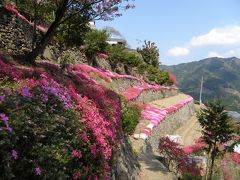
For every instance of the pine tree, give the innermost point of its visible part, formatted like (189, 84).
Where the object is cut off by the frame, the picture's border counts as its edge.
(216, 130)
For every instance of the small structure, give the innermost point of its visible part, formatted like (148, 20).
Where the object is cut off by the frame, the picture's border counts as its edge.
(235, 116)
(115, 41)
(175, 138)
(115, 37)
(237, 148)
(92, 25)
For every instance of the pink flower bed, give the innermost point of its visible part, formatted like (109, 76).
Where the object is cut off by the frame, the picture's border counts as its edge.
(236, 157)
(226, 173)
(99, 107)
(9, 72)
(156, 115)
(130, 94)
(88, 69)
(119, 76)
(135, 91)
(102, 55)
(15, 11)
(197, 146)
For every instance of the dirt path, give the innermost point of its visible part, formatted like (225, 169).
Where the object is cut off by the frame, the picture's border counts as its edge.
(190, 131)
(166, 102)
(152, 169)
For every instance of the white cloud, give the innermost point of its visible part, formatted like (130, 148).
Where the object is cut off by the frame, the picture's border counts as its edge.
(230, 53)
(178, 51)
(228, 35)
(214, 54)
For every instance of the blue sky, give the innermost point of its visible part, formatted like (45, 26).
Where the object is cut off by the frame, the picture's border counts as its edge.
(183, 30)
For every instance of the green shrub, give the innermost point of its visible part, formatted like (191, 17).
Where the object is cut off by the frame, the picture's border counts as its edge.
(155, 74)
(150, 53)
(188, 176)
(95, 41)
(119, 54)
(66, 59)
(158, 76)
(130, 117)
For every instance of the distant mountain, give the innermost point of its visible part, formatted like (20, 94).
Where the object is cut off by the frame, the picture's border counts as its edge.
(221, 79)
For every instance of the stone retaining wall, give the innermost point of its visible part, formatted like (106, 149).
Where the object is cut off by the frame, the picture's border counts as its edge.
(123, 84)
(125, 164)
(15, 34)
(168, 126)
(153, 95)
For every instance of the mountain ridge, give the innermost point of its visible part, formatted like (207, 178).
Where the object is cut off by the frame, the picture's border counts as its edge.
(221, 79)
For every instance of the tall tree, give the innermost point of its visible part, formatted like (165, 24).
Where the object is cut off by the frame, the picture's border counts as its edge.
(216, 130)
(150, 53)
(88, 9)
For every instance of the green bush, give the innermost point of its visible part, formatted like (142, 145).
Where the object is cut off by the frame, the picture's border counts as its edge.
(188, 176)
(66, 59)
(119, 54)
(158, 76)
(95, 41)
(150, 53)
(130, 117)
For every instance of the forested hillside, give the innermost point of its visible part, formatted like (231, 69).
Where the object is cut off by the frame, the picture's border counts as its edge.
(221, 79)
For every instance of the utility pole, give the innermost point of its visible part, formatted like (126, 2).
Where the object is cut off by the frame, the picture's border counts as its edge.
(200, 98)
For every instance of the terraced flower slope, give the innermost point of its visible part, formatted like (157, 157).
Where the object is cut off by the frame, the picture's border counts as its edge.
(152, 115)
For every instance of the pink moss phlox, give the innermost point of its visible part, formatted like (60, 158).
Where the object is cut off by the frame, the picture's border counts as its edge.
(100, 73)
(134, 92)
(76, 175)
(99, 107)
(16, 12)
(102, 126)
(85, 137)
(49, 86)
(14, 154)
(77, 154)
(102, 55)
(196, 147)
(236, 157)
(225, 170)
(50, 66)
(2, 98)
(173, 78)
(37, 171)
(4, 118)
(11, 72)
(78, 75)
(114, 75)
(25, 92)
(156, 115)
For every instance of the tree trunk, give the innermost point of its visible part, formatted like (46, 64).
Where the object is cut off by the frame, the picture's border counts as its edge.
(210, 163)
(49, 34)
(34, 38)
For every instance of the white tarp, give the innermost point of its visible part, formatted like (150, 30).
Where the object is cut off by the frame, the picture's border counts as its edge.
(237, 148)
